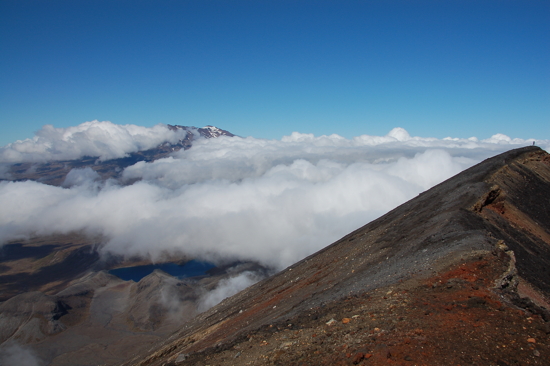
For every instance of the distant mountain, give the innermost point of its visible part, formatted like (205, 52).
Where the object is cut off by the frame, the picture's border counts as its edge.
(54, 172)
(458, 275)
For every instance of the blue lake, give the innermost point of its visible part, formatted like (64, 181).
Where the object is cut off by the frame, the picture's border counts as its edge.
(190, 269)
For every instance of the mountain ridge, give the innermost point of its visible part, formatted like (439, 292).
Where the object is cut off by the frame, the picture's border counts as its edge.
(460, 222)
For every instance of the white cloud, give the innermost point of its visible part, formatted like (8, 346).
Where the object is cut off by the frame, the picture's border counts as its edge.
(78, 177)
(227, 287)
(272, 201)
(105, 140)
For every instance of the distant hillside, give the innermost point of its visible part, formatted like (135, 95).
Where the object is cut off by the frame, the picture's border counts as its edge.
(57, 296)
(457, 276)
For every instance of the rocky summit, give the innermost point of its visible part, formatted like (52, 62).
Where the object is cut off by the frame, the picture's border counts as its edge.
(457, 276)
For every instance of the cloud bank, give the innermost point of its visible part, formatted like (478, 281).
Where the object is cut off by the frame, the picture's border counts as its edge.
(232, 198)
(105, 140)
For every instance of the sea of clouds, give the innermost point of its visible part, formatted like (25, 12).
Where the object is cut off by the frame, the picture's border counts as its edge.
(229, 198)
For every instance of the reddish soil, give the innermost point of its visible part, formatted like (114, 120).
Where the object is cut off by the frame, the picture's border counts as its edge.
(455, 318)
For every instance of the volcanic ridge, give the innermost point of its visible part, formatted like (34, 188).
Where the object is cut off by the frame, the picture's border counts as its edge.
(456, 276)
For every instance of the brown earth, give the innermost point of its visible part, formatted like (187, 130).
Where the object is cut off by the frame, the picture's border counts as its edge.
(455, 318)
(457, 276)
(46, 264)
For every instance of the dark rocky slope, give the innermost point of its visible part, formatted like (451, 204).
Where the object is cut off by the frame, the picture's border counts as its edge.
(457, 276)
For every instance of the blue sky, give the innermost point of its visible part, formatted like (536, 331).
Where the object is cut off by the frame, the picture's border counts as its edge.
(268, 68)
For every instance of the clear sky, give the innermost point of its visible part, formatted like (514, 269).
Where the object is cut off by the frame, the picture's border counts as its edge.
(267, 68)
